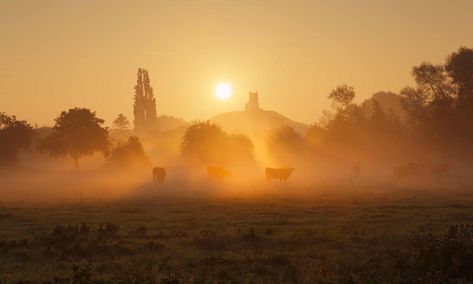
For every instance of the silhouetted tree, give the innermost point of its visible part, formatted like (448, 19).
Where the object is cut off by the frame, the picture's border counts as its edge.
(345, 125)
(14, 135)
(128, 154)
(350, 129)
(377, 119)
(460, 67)
(431, 105)
(342, 97)
(389, 102)
(121, 122)
(144, 108)
(76, 133)
(208, 143)
(435, 82)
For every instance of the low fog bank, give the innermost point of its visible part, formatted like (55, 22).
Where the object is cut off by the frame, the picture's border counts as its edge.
(320, 166)
(57, 183)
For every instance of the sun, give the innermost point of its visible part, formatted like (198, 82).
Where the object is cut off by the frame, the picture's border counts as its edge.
(223, 91)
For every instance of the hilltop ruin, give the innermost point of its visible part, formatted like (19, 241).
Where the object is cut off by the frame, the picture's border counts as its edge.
(252, 104)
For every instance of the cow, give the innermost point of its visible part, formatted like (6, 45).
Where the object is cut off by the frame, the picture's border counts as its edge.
(159, 174)
(282, 174)
(355, 171)
(219, 173)
(440, 171)
(408, 170)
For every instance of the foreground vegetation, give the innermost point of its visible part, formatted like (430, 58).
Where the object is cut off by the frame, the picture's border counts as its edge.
(336, 235)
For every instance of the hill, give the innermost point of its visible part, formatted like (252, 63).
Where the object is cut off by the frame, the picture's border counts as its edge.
(166, 123)
(256, 123)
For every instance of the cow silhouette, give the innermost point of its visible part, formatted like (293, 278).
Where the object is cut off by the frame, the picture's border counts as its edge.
(282, 174)
(159, 174)
(408, 170)
(214, 172)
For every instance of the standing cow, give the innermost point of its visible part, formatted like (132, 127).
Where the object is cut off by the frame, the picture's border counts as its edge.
(159, 174)
(408, 170)
(217, 173)
(282, 174)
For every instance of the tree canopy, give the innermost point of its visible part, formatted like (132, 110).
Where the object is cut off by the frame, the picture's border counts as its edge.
(14, 135)
(207, 143)
(77, 132)
(128, 154)
(121, 122)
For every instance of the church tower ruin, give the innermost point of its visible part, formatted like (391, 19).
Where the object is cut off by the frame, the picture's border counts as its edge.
(144, 107)
(252, 104)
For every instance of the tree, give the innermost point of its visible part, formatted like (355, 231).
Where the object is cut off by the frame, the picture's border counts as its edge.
(76, 133)
(207, 143)
(128, 154)
(414, 102)
(121, 122)
(342, 97)
(431, 105)
(377, 119)
(460, 67)
(14, 135)
(434, 81)
(203, 141)
(144, 107)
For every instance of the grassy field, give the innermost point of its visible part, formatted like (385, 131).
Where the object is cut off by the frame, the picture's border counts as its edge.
(333, 235)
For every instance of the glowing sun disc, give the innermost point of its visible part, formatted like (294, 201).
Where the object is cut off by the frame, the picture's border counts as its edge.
(223, 91)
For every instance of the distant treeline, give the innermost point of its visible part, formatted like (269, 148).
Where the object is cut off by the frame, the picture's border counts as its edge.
(435, 119)
(432, 118)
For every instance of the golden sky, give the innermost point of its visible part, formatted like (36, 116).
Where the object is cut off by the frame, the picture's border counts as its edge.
(59, 54)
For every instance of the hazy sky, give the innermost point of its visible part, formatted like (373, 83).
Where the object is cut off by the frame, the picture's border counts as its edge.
(59, 54)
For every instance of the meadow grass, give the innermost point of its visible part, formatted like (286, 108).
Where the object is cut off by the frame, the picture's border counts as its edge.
(335, 235)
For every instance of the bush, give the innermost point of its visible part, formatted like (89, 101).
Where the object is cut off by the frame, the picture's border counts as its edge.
(128, 154)
(436, 258)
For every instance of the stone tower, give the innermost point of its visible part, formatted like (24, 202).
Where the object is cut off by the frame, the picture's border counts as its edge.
(252, 104)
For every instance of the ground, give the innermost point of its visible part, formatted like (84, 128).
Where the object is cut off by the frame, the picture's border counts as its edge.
(332, 235)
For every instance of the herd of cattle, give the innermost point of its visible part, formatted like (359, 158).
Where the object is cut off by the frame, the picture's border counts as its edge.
(220, 173)
(414, 169)
(282, 174)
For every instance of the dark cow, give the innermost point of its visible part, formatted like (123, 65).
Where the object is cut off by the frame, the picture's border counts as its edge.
(159, 174)
(217, 173)
(440, 171)
(282, 174)
(408, 170)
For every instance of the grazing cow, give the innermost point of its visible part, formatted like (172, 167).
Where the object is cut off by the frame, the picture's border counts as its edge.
(217, 173)
(159, 174)
(440, 171)
(408, 170)
(282, 174)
